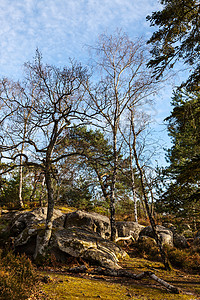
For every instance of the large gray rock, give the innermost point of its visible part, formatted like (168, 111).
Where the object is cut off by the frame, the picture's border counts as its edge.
(89, 220)
(179, 240)
(125, 229)
(25, 242)
(26, 226)
(36, 217)
(165, 234)
(81, 242)
(78, 239)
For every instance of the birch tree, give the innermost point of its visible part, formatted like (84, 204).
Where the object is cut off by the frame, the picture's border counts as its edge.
(135, 133)
(124, 79)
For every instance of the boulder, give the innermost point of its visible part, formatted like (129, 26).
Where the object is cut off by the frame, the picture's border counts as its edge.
(89, 220)
(27, 225)
(79, 240)
(24, 219)
(125, 229)
(164, 233)
(84, 243)
(179, 240)
(25, 242)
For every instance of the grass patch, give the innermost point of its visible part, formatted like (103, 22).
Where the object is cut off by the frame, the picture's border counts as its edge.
(188, 283)
(64, 286)
(65, 209)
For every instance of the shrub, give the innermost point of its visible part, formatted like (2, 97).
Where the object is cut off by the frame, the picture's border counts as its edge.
(17, 277)
(186, 259)
(145, 247)
(176, 256)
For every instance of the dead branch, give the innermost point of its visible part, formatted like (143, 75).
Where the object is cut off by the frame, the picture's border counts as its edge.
(126, 274)
(127, 238)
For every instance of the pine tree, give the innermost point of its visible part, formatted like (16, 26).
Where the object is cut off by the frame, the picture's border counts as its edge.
(177, 37)
(182, 176)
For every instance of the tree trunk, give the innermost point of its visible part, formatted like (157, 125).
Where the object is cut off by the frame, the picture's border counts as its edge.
(41, 200)
(152, 202)
(21, 204)
(133, 186)
(112, 197)
(151, 219)
(103, 187)
(49, 219)
(112, 216)
(43, 242)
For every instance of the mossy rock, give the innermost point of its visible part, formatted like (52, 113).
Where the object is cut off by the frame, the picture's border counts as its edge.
(84, 243)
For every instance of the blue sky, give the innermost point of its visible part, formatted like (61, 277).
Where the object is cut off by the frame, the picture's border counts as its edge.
(62, 29)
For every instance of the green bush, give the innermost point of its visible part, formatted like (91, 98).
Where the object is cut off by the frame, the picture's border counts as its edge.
(78, 196)
(17, 277)
(145, 247)
(177, 257)
(186, 259)
(148, 249)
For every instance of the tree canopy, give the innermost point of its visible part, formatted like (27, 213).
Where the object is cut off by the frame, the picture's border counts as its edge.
(177, 37)
(182, 187)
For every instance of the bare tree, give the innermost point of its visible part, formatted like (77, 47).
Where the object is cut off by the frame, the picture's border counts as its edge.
(135, 133)
(124, 80)
(50, 99)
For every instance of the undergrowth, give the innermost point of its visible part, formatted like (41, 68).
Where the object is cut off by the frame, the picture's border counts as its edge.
(185, 259)
(17, 277)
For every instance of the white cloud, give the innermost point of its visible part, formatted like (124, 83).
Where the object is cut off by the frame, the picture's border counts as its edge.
(60, 28)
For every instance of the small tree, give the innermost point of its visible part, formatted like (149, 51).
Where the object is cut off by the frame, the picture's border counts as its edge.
(96, 155)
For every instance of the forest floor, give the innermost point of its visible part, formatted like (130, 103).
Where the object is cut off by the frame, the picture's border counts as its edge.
(63, 285)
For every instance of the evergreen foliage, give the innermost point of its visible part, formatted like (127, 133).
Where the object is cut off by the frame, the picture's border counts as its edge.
(182, 176)
(177, 37)
(9, 195)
